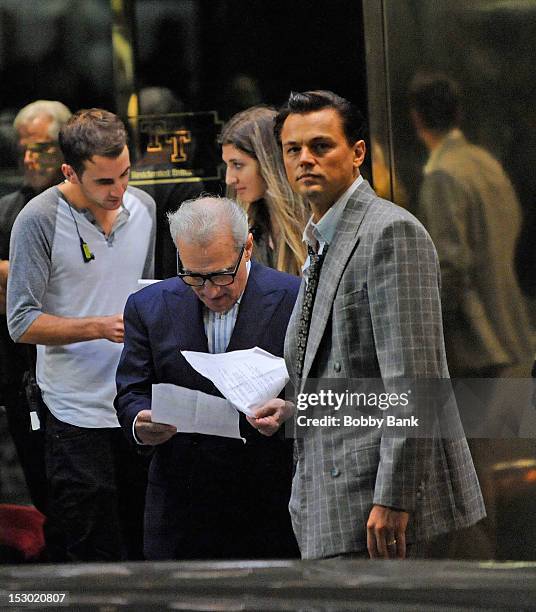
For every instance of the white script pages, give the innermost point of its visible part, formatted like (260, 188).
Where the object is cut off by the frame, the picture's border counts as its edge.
(193, 411)
(248, 378)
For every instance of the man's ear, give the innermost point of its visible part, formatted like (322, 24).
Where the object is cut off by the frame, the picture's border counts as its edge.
(248, 250)
(69, 174)
(360, 150)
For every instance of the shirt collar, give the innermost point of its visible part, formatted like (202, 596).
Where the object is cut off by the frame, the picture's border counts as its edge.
(454, 135)
(322, 233)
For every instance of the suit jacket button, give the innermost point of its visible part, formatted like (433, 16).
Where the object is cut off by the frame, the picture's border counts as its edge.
(418, 495)
(337, 366)
(335, 472)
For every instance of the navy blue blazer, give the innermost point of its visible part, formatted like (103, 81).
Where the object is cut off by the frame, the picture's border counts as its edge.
(202, 489)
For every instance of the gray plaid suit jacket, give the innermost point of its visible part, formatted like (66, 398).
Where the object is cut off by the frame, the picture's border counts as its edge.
(377, 314)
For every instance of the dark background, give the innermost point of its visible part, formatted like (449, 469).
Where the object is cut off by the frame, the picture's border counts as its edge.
(222, 55)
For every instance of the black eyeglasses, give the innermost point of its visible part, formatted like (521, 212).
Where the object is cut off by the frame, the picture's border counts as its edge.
(41, 149)
(220, 279)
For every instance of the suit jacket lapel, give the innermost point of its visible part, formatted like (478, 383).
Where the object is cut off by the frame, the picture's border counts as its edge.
(185, 319)
(256, 309)
(339, 252)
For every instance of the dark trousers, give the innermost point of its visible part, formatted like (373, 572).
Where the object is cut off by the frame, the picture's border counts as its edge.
(29, 444)
(96, 487)
(211, 497)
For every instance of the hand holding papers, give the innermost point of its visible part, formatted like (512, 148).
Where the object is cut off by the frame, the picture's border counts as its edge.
(271, 416)
(248, 378)
(148, 432)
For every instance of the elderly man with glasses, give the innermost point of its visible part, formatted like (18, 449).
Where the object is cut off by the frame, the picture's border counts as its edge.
(208, 496)
(36, 126)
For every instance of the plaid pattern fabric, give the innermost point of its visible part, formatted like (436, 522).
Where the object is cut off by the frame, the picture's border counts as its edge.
(377, 314)
(315, 266)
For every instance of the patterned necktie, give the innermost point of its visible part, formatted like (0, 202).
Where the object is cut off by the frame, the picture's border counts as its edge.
(308, 303)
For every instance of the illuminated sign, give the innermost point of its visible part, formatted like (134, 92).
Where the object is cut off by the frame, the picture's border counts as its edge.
(176, 148)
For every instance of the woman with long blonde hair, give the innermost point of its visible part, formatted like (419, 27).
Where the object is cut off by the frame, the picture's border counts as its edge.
(256, 177)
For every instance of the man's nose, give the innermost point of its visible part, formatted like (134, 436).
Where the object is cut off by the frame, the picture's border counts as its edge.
(117, 189)
(306, 158)
(210, 290)
(29, 157)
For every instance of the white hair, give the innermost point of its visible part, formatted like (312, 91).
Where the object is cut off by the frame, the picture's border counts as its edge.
(58, 113)
(198, 221)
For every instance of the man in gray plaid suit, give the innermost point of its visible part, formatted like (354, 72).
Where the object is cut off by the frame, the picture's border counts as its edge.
(376, 315)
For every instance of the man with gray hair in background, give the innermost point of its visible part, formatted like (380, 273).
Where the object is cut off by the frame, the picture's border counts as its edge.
(208, 496)
(37, 126)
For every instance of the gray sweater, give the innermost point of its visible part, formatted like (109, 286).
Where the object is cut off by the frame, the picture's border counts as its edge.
(48, 275)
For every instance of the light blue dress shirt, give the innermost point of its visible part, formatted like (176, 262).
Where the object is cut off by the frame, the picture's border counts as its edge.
(318, 235)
